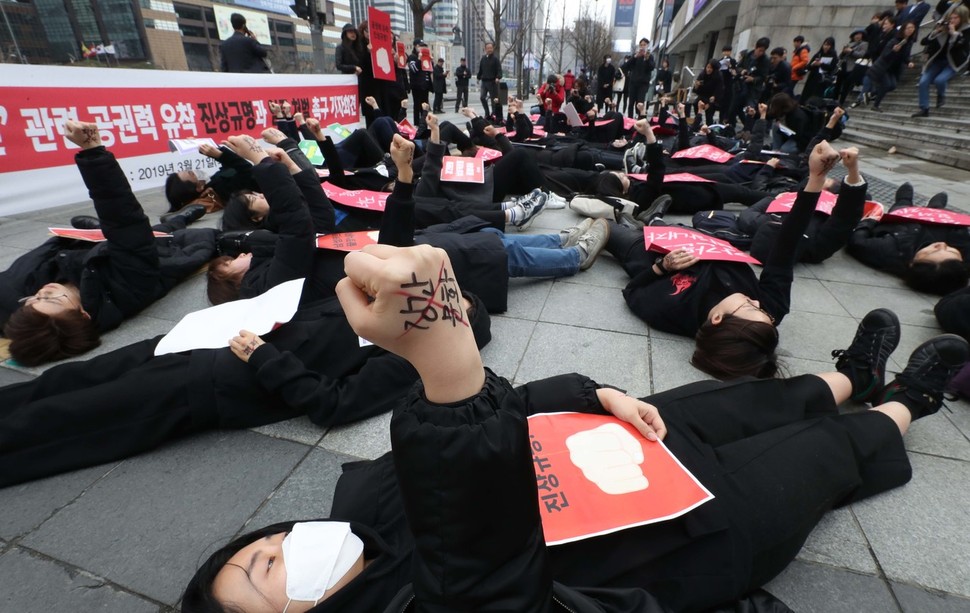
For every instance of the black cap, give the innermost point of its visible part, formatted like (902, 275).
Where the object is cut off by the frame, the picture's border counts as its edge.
(420, 43)
(348, 27)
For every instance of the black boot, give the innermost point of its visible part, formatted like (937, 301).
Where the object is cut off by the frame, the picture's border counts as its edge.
(938, 201)
(921, 385)
(189, 212)
(234, 243)
(86, 222)
(864, 362)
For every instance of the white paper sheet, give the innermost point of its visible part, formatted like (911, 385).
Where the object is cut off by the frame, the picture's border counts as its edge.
(213, 327)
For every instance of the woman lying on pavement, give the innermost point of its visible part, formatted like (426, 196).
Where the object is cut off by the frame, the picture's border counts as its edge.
(731, 313)
(930, 258)
(57, 299)
(423, 529)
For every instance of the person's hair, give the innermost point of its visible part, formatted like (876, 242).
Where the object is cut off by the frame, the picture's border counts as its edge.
(964, 14)
(607, 57)
(238, 21)
(938, 278)
(736, 347)
(763, 43)
(198, 597)
(643, 40)
(607, 183)
(237, 216)
(779, 51)
(363, 25)
(552, 79)
(727, 48)
(37, 338)
(830, 41)
(798, 39)
(221, 285)
(888, 16)
(180, 192)
(463, 60)
(781, 104)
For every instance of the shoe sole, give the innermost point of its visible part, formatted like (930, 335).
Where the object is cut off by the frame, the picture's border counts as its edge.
(592, 255)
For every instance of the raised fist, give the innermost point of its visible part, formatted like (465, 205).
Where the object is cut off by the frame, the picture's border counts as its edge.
(610, 457)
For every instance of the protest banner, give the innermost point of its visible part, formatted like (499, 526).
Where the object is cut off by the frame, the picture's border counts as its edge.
(90, 236)
(462, 170)
(664, 239)
(921, 214)
(677, 177)
(347, 241)
(356, 198)
(704, 152)
(381, 40)
(487, 154)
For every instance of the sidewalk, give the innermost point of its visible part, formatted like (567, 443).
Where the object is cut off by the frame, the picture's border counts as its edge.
(125, 537)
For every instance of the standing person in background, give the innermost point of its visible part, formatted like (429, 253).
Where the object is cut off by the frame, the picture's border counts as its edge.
(569, 79)
(948, 50)
(367, 84)
(639, 71)
(440, 85)
(799, 62)
(462, 77)
(850, 58)
(822, 69)
(621, 86)
(605, 75)
(489, 74)
(420, 80)
(241, 52)
(779, 80)
(347, 55)
(729, 70)
(665, 77)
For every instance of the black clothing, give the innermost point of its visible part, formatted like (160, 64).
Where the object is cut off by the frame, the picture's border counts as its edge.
(234, 174)
(462, 76)
(605, 75)
(241, 53)
(489, 68)
(665, 79)
(779, 80)
(953, 312)
(346, 57)
(891, 246)
(420, 85)
(124, 274)
(747, 441)
(679, 303)
(440, 88)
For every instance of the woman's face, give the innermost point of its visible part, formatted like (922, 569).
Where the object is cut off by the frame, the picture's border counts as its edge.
(935, 253)
(955, 20)
(826, 47)
(351, 34)
(239, 266)
(739, 305)
(257, 206)
(709, 69)
(55, 299)
(254, 580)
(909, 29)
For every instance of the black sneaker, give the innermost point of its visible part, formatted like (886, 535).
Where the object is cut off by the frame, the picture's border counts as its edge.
(864, 362)
(938, 201)
(657, 208)
(904, 195)
(921, 385)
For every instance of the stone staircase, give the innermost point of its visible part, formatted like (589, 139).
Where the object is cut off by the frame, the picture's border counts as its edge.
(943, 137)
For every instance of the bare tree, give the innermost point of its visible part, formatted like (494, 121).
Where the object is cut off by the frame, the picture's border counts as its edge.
(419, 9)
(561, 42)
(591, 39)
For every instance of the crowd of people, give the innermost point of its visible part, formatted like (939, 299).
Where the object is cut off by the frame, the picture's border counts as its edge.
(422, 527)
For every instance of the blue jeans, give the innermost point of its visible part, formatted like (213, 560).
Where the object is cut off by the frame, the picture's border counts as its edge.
(538, 255)
(938, 73)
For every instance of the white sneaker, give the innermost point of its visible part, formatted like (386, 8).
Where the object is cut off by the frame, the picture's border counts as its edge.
(531, 205)
(555, 201)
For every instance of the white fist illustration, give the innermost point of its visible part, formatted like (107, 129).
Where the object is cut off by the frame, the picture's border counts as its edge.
(610, 457)
(384, 60)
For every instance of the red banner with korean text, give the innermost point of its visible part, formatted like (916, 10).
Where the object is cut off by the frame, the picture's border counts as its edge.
(926, 215)
(138, 112)
(357, 198)
(381, 42)
(704, 152)
(347, 241)
(596, 474)
(664, 239)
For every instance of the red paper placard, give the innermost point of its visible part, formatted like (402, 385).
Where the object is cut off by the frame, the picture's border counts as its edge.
(424, 55)
(784, 202)
(462, 170)
(930, 216)
(628, 123)
(677, 177)
(381, 40)
(408, 130)
(596, 474)
(664, 239)
(91, 236)
(401, 52)
(704, 152)
(487, 154)
(347, 241)
(357, 198)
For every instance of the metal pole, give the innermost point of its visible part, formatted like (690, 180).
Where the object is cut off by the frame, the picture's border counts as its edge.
(13, 36)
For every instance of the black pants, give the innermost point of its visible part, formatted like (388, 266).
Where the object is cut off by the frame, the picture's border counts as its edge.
(777, 456)
(516, 172)
(638, 93)
(462, 99)
(420, 97)
(439, 100)
(488, 97)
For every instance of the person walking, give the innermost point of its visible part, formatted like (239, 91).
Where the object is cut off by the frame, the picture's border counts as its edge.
(489, 74)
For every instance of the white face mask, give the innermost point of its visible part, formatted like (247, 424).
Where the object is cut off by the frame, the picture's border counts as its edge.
(317, 555)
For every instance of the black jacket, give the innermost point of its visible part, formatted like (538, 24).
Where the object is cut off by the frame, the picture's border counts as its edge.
(489, 68)
(420, 80)
(346, 58)
(241, 53)
(639, 69)
(120, 276)
(891, 246)
(462, 76)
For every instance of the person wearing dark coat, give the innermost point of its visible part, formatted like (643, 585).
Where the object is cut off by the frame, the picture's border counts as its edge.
(930, 258)
(822, 69)
(888, 67)
(605, 75)
(440, 86)
(779, 79)
(710, 89)
(58, 298)
(488, 76)
(462, 435)
(420, 81)
(639, 75)
(241, 52)
(948, 54)
(462, 77)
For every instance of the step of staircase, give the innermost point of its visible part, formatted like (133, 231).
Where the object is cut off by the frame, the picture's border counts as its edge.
(947, 156)
(934, 125)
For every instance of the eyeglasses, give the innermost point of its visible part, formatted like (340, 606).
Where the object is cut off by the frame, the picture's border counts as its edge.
(750, 305)
(59, 299)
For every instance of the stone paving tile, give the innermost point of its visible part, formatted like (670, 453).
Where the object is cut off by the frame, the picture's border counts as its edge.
(919, 531)
(504, 352)
(813, 588)
(606, 272)
(813, 336)
(670, 364)
(28, 505)
(938, 436)
(32, 583)
(843, 267)
(812, 296)
(298, 430)
(839, 541)
(526, 297)
(368, 439)
(911, 308)
(159, 510)
(186, 297)
(8, 255)
(607, 357)
(591, 307)
(958, 412)
(307, 493)
(916, 600)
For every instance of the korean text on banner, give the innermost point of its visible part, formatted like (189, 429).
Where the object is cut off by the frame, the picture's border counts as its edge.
(664, 239)
(458, 169)
(926, 215)
(138, 112)
(347, 241)
(704, 152)
(381, 41)
(356, 198)
(784, 202)
(596, 474)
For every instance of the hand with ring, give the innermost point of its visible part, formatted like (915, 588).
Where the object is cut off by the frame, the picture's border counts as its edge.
(679, 259)
(245, 344)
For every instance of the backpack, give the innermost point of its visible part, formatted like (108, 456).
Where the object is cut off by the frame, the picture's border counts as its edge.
(722, 225)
